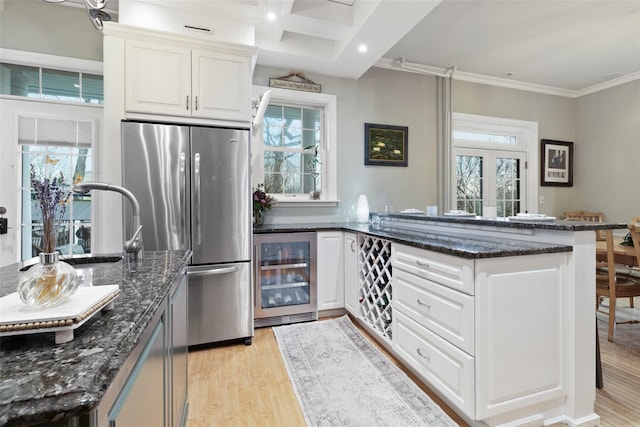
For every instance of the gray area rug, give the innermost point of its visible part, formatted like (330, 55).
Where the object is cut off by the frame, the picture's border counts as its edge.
(341, 379)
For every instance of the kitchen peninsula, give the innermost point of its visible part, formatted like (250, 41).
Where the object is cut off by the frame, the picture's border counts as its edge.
(96, 377)
(495, 315)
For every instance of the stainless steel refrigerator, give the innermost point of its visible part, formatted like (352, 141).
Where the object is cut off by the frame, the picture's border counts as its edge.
(193, 186)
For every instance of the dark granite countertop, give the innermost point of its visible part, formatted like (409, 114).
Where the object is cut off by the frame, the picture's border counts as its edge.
(41, 381)
(469, 246)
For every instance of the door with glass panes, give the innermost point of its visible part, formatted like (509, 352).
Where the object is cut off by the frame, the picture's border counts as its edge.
(486, 178)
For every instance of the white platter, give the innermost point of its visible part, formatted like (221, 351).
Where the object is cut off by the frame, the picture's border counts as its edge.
(16, 318)
(532, 218)
(460, 213)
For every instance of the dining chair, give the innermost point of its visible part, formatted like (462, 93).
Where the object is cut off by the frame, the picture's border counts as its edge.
(613, 284)
(580, 215)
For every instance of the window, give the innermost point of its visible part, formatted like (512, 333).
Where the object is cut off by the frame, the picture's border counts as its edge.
(46, 83)
(290, 137)
(494, 164)
(295, 147)
(54, 146)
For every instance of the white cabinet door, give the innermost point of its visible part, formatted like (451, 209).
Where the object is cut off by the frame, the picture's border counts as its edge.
(330, 271)
(221, 86)
(157, 78)
(350, 251)
(520, 345)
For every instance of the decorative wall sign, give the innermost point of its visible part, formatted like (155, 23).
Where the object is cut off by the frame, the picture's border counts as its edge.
(295, 81)
(386, 145)
(556, 163)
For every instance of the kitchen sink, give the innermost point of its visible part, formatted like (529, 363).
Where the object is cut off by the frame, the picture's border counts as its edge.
(92, 261)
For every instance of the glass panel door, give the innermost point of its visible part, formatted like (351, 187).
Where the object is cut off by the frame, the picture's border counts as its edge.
(489, 178)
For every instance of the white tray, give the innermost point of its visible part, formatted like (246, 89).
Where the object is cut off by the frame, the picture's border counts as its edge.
(16, 318)
(460, 213)
(532, 218)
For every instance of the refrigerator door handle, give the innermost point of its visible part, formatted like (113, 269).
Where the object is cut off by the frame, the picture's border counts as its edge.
(197, 197)
(212, 271)
(183, 197)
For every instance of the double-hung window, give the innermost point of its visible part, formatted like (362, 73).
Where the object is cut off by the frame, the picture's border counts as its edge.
(294, 147)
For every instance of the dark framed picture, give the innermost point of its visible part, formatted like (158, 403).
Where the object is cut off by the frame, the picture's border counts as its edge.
(556, 163)
(386, 145)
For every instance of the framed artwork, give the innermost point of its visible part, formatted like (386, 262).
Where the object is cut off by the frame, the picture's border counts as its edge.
(386, 145)
(556, 163)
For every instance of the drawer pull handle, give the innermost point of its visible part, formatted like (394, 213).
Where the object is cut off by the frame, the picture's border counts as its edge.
(423, 263)
(424, 356)
(423, 304)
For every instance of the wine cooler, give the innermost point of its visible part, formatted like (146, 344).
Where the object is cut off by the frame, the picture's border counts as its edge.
(285, 278)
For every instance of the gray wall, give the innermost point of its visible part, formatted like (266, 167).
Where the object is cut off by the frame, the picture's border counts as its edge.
(607, 154)
(554, 114)
(54, 29)
(383, 97)
(399, 98)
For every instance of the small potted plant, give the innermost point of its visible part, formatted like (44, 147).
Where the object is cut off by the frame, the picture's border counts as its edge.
(261, 202)
(313, 164)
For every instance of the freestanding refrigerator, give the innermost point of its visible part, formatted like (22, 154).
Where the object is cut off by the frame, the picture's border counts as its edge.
(193, 186)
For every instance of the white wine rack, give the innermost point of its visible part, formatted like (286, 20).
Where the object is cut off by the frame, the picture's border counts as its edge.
(375, 284)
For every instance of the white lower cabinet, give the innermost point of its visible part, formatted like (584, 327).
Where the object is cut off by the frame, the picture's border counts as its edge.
(330, 271)
(350, 251)
(441, 364)
(486, 334)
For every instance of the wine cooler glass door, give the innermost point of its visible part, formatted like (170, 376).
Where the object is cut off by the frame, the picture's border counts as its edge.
(285, 275)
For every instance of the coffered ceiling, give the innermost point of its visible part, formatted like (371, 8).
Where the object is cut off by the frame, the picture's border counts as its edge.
(563, 46)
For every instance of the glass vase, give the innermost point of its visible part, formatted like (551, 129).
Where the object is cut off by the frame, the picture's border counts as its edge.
(48, 283)
(258, 217)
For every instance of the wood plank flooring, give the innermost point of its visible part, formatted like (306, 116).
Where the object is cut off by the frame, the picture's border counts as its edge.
(238, 385)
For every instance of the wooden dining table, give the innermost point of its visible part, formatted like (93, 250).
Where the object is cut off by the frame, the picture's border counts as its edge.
(624, 255)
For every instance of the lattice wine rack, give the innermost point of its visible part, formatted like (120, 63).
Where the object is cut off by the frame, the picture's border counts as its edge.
(375, 283)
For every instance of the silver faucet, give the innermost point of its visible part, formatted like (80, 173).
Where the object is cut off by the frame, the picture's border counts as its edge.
(134, 244)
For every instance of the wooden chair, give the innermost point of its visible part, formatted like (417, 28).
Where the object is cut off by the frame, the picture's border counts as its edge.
(613, 284)
(586, 216)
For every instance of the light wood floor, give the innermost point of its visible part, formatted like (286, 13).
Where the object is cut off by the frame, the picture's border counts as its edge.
(237, 385)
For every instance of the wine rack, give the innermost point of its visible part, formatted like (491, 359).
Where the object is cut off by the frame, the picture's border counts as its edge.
(374, 292)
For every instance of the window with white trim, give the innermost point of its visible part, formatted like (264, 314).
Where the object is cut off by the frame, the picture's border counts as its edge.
(295, 145)
(494, 165)
(54, 146)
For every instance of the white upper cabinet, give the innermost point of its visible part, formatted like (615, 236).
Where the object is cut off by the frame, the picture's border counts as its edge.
(221, 85)
(158, 78)
(176, 76)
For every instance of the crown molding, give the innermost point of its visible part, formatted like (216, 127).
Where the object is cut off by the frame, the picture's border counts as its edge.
(392, 64)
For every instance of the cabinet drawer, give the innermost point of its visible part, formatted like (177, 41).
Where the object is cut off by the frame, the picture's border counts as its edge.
(446, 312)
(442, 365)
(448, 270)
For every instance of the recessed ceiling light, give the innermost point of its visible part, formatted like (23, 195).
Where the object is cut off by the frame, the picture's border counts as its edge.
(271, 16)
(362, 48)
